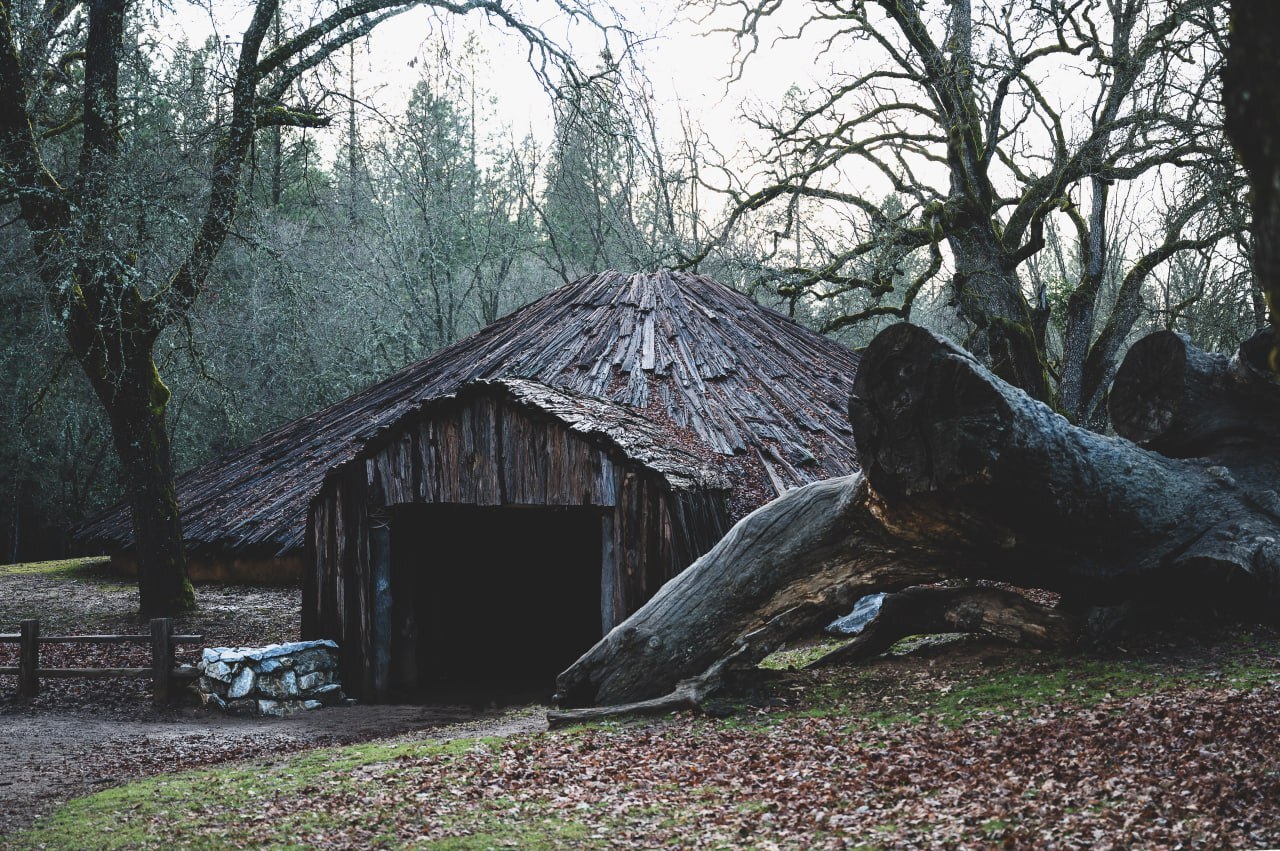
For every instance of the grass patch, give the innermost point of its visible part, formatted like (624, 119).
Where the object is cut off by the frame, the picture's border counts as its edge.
(92, 567)
(1077, 683)
(374, 788)
(492, 827)
(227, 805)
(798, 657)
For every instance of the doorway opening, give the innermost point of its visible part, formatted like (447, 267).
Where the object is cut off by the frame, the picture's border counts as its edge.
(501, 598)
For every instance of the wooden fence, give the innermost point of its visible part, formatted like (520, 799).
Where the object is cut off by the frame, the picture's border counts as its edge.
(162, 672)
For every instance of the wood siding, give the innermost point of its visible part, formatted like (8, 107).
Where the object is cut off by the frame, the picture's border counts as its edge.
(491, 451)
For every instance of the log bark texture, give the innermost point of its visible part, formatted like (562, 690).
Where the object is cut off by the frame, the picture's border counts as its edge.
(1028, 498)
(963, 475)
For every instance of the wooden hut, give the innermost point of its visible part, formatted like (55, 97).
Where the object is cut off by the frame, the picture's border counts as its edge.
(537, 481)
(498, 533)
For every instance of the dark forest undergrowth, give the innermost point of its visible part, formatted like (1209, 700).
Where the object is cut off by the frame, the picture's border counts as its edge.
(1168, 741)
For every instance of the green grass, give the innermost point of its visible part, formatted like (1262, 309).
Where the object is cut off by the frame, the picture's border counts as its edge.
(233, 806)
(1021, 691)
(798, 657)
(67, 567)
(957, 692)
(491, 827)
(215, 807)
(955, 695)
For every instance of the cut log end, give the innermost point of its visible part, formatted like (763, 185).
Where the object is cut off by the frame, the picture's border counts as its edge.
(1150, 389)
(1254, 356)
(924, 414)
(1174, 399)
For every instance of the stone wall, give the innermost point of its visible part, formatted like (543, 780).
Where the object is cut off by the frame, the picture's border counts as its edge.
(274, 680)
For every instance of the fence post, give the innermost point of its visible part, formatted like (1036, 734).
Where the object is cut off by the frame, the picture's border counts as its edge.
(161, 658)
(29, 659)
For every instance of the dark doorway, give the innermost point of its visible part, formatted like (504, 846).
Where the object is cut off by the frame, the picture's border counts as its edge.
(501, 599)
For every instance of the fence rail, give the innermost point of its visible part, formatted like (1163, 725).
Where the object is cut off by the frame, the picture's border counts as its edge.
(162, 672)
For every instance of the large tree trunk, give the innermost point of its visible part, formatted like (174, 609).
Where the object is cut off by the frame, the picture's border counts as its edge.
(142, 441)
(1252, 101)
(1006, 334)
(126, 381)
(963, 476)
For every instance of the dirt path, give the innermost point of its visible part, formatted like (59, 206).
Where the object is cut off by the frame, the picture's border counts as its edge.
(80, 736)
(49, 756)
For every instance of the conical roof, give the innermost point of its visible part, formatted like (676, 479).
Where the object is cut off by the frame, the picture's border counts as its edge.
(737, 384)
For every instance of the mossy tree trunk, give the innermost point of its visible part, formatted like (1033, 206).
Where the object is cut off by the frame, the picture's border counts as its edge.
(1008, 333)
(1251, 91)
(122, 370)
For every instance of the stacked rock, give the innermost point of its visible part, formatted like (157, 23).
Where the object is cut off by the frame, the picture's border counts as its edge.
(274, 680)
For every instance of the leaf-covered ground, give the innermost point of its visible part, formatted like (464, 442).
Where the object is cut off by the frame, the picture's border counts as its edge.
(1174, 744)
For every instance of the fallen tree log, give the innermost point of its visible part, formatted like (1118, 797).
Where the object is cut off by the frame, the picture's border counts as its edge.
(1037, 502)
(779, 572)
(963, 476)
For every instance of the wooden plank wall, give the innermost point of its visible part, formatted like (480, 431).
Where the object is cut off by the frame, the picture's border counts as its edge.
(337, 599)
(492, 452)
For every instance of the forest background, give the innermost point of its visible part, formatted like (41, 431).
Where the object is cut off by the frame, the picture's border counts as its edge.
(808, 157)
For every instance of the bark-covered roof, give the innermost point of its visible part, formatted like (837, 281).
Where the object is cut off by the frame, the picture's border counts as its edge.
(724, 378)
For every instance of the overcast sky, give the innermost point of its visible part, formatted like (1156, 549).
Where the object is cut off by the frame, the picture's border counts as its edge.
(686, 61)
(687, 69)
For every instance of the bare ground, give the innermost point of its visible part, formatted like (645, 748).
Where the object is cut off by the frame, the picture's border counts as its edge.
(80, 736)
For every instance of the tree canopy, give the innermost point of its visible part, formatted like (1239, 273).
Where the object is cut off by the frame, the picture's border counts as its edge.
(992, 130)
